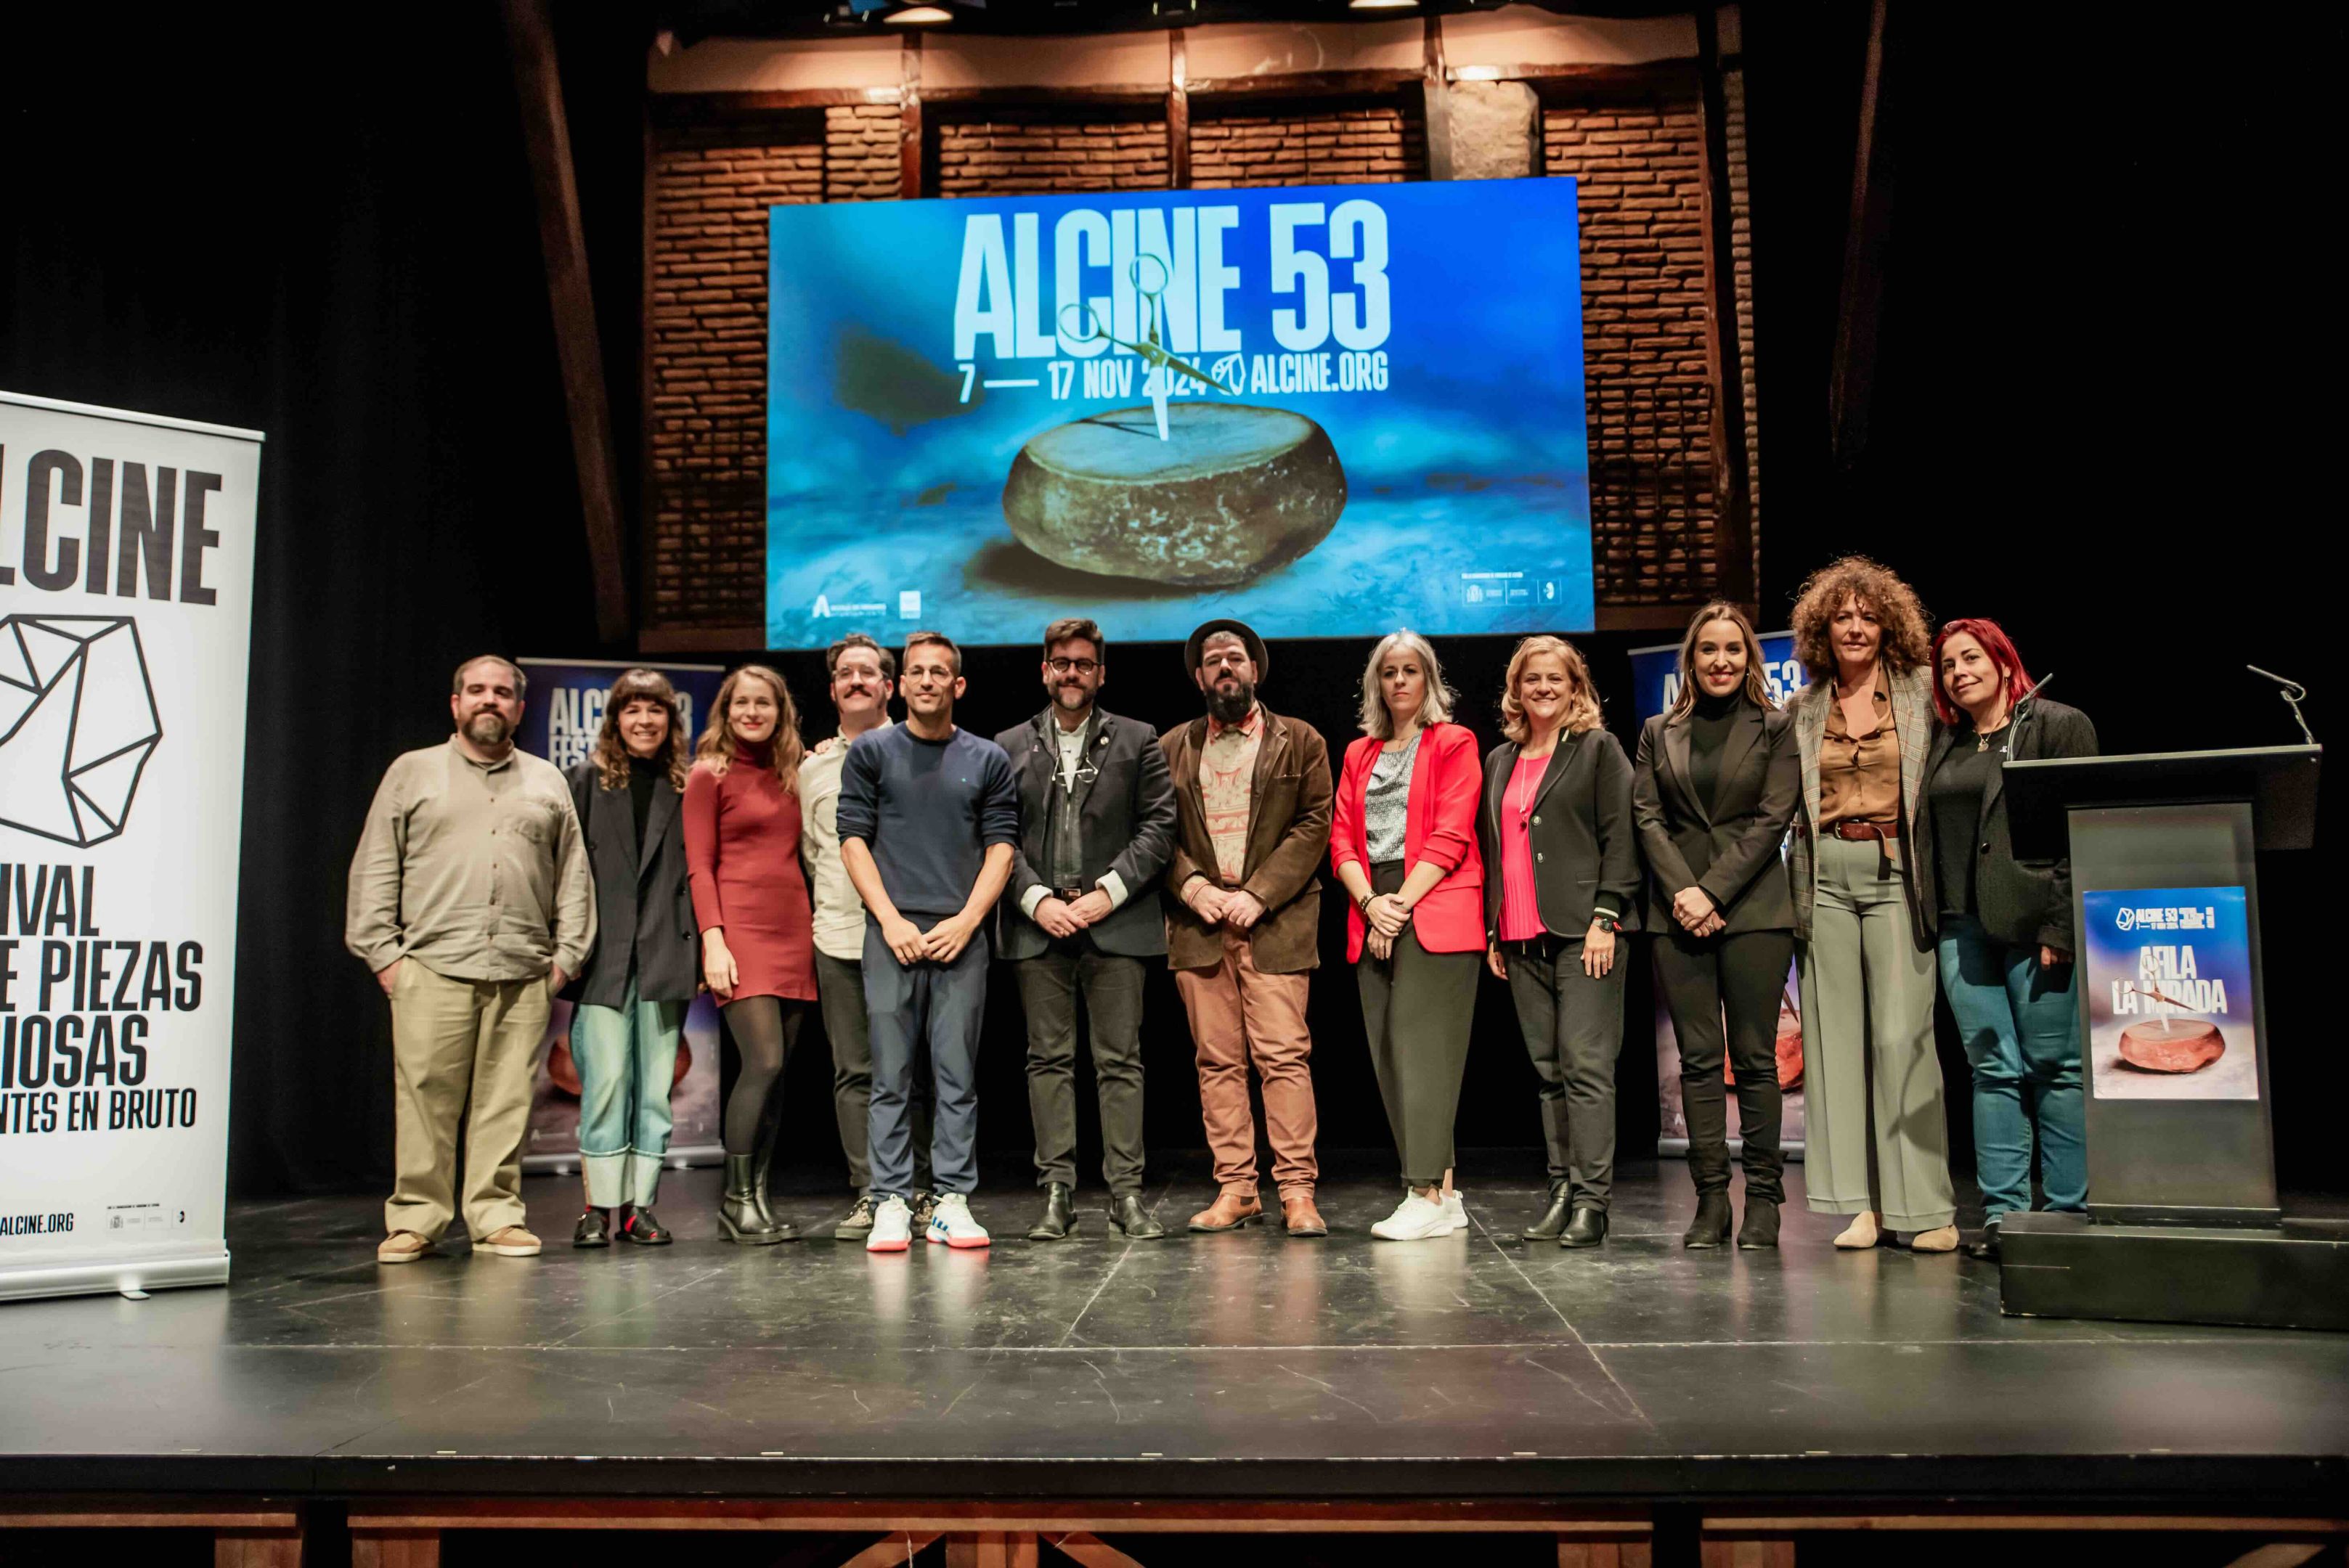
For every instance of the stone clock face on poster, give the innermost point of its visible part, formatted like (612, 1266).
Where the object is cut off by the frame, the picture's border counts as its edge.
(126, 572)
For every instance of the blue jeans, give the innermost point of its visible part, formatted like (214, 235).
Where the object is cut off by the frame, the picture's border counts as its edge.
(626, 1057)
(909, 1006)
(2021, 1025)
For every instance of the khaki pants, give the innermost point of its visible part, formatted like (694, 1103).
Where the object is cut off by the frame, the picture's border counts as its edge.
(1238, 1014)
(461, 1048)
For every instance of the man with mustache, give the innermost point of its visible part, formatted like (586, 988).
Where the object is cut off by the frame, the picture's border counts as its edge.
(863, 675)
(1252, 798)
(1097, 823)
(471, 900)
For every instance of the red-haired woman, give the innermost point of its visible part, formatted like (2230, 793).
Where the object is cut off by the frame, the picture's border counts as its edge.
(2005, 924)
(643, 974)
(1876, 1134)
(757, 937)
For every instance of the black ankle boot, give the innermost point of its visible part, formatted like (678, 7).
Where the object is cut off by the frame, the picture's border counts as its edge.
(762, 1155)
(1133, 1221)
(1711, 1226)
(1554, 1218)
(738, 1213)
(1587, 1228)
(1758, 1232)
(1060, 1215)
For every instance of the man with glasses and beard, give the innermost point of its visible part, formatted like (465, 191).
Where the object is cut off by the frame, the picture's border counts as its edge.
(471, 901)
(1253, 796)
(1097, 823)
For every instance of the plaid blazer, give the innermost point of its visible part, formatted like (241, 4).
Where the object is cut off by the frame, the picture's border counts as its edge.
(1912, 722)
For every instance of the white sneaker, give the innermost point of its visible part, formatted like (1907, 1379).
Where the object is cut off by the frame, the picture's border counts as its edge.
(951, 1223)
(1455, 1210)
(892, 1227)
(1414, 1220)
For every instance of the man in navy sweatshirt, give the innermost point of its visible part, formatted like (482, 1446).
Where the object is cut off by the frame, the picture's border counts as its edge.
(928, 815)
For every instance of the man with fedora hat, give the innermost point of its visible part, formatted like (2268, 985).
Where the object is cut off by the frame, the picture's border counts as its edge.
(1252, 830)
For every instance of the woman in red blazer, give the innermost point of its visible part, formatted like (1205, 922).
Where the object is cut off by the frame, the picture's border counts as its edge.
(1404, 844)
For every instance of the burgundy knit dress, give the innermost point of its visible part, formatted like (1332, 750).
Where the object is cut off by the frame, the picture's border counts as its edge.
(742, 857)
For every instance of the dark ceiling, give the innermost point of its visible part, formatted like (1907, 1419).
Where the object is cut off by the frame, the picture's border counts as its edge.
(692, 20)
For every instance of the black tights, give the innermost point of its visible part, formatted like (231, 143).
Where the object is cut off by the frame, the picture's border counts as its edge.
(764, 1028)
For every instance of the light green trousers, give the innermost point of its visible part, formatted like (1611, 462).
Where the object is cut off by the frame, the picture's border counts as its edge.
(1874, 1135)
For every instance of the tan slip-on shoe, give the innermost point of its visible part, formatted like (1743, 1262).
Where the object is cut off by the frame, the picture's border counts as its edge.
(513, 1241)
(1862, 1233)
(1940, 1239)
(402, 1247)
(1229, 1212)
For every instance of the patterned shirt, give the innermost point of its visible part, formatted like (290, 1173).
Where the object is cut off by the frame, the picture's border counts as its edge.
(1227, 787)
(1386, 802)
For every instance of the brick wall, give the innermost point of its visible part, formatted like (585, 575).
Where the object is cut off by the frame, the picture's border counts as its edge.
(1640, 160)
(1027, 152)
(1306, 144)
(1741, 247)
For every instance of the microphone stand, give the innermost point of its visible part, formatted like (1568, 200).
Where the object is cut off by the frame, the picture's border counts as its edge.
(2019, 710)
(2292, 693)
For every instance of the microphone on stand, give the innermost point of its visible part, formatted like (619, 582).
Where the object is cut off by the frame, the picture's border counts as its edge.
(2017, 711)
(2292, 693)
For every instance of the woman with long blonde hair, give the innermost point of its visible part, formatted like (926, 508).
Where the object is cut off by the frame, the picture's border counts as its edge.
(1717, 780)
(1562, 879)
(750, 902)
(630, 1017)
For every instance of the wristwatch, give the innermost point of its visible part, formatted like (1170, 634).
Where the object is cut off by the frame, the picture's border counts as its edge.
(1608, 922)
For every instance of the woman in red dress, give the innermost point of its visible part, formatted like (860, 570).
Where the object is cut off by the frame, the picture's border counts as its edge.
(750, 901)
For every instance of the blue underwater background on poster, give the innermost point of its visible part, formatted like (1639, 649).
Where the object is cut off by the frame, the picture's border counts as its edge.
(1330, 410)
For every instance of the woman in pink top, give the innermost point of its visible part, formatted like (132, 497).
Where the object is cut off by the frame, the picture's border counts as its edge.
(1564, 879)
(758, 934)
(1404, 843)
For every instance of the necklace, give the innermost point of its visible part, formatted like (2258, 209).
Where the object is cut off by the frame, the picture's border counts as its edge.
(1981, 740)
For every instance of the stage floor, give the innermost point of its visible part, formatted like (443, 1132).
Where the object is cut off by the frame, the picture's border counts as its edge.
(1241, 1364)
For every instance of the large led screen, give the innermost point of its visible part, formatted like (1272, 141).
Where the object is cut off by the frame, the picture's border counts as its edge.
(1331, 410)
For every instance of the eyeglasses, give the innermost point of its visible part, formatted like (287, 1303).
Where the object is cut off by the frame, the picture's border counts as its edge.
(1078, 666)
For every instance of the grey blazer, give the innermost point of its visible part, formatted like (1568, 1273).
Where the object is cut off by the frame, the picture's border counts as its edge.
(1913, 719)
(1125, 812)
(643, 911)
(1731, 849)
(2023, 903)
(1583, 838)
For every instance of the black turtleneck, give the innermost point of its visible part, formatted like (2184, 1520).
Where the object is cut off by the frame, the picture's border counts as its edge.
(1709, 722)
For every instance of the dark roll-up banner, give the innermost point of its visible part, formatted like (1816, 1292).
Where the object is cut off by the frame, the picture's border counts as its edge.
(1655, 682)
(126, 611)
(560, 722)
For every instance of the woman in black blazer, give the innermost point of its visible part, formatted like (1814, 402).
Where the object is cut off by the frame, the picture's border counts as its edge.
(1562, 877)
(2004, 924)
(1718, 778)
(646, 965)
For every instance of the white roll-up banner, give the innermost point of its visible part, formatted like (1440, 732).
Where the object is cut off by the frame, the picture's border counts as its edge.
(125, 612)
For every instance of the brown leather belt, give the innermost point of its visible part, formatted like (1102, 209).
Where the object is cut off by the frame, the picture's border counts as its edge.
(1861, 831)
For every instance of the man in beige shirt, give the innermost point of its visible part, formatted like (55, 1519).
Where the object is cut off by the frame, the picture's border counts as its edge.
(472, 901)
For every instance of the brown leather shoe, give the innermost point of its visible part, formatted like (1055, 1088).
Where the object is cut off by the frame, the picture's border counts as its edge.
(1304, 1220)
(1229, 1212)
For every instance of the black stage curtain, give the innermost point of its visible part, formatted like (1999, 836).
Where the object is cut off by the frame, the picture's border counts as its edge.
(2099, 418)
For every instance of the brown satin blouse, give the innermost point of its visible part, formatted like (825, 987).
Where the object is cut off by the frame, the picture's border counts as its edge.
(1859, 779)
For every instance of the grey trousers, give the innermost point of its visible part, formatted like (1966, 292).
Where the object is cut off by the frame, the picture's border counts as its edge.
(1876, 1135)
(840, 988)
(1573, 1027)
(1112, 987)
(906, 1006)
(1417, 1007)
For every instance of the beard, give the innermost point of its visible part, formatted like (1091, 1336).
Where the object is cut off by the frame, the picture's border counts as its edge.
(1072, 697)
(488, 727)
(1229, 706)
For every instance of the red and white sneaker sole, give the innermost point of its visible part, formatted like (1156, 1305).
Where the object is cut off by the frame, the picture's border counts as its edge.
(877, 1245)
(958, 1242)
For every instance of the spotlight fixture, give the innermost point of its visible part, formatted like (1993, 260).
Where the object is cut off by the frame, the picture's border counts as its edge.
(1381, 4)
(920, 16)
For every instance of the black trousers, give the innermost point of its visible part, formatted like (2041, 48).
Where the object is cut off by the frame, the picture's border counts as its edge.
(1573, 1027)
(1111, 984)
(1724, 994)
